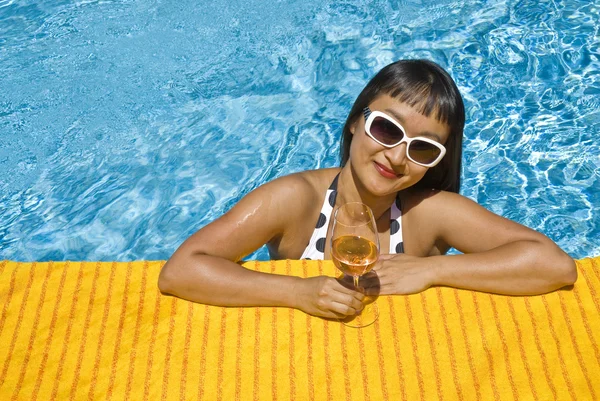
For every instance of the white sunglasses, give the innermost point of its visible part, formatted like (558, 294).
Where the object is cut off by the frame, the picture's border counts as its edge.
(387, 132)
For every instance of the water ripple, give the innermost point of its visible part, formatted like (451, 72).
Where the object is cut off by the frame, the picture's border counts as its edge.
(128, 125)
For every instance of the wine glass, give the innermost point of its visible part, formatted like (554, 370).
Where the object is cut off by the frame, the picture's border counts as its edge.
(354, 250)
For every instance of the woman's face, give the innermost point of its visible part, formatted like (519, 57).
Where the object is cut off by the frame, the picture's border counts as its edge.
(387, 170)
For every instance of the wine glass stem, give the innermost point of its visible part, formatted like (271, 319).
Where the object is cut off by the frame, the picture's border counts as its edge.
(355, 281)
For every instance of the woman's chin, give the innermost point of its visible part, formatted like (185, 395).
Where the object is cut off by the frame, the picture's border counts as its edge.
(381, 187)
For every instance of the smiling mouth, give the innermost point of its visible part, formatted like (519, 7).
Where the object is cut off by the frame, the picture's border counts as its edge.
(385, 172)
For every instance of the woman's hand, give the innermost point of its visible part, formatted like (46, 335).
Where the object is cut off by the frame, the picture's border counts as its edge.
(327, 297)
(397, 275)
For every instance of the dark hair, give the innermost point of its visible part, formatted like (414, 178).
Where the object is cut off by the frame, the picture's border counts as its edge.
(425, 86)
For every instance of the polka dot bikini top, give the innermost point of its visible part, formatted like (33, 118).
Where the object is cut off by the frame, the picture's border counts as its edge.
(316, 246)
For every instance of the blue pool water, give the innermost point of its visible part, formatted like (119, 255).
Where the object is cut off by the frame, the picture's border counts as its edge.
(125, 126)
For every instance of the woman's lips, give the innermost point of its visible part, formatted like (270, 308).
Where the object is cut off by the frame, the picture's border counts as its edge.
(385, 172)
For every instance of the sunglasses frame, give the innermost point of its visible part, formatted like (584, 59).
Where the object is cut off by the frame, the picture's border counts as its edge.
(370, 117)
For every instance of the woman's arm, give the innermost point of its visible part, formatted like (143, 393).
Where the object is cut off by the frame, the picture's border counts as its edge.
(521, 267)
(204, 268)
(500, 256)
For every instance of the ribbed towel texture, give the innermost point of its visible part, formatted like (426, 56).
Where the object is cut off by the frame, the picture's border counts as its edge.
(91, 330)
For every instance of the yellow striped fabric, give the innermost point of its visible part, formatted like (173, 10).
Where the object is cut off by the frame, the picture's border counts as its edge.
(87, 330)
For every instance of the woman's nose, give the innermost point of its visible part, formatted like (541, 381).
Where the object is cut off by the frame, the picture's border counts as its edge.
(397, 155)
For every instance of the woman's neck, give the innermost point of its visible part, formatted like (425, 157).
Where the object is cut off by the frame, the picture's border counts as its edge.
(350, 189)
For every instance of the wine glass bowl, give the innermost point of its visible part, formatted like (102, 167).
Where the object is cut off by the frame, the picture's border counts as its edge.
(354, 251)
(354, 255)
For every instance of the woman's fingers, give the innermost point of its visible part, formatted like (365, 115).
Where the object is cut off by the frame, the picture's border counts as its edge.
(346, 304)
(327, 297)
(341, 300)
(343, 288)
(341, 310)
(352, 303)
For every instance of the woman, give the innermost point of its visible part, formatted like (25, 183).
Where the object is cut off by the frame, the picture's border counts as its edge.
(401, 155)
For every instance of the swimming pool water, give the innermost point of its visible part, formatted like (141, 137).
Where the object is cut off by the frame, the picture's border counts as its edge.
(125, 126)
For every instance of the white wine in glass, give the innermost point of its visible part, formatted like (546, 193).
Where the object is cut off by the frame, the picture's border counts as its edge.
(354, 250)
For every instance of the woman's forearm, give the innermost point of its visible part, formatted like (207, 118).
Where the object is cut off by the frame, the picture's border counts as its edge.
(216, 281)
(517, 268)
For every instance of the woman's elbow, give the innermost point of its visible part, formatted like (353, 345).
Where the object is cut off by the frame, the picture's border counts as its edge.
(565, 269)
(166, 280)
(558, 268)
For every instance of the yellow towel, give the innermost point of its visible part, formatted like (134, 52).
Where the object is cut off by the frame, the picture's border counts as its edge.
(87, 330)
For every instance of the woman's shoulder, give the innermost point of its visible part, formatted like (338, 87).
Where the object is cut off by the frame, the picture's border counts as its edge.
(273, 208)
(431, 201)
(307, 183)
(442, 209)
(299, 190)
(426, 214)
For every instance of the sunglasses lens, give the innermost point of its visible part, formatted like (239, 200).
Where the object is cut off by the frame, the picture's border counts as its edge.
(386, 131)
(423, 152)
